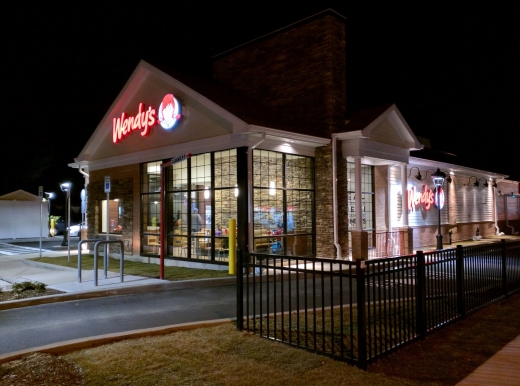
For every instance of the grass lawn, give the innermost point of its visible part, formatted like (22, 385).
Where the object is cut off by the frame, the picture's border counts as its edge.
(135, 268)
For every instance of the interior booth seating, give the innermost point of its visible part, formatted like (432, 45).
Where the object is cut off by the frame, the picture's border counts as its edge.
(261, 244)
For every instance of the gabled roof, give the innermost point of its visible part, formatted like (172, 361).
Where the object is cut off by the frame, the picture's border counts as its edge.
(212, 115)
(380, 134)
(19, 195)
(384, 124)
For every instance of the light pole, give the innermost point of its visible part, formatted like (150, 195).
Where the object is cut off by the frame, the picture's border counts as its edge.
(66, 187)
(438, 180)
(50, 196)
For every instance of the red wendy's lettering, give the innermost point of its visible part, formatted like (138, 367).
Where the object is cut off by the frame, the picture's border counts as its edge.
(423, 198)
(123, 126)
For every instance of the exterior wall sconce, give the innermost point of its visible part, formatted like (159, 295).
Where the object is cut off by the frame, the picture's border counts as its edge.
(485, 185)
(418, 175)
(476, 184)
(448, 178)
(495, 184)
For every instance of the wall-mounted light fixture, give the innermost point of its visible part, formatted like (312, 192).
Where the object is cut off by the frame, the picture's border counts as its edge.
(495, 184)
(236, 190)
(427, 173)
(485, 182)
(418, 175)
(476, 184)
(448, 178)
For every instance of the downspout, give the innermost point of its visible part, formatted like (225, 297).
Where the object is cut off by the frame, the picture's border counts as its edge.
(84, 215)
(250, 191)
(497, 229)
(335, 197)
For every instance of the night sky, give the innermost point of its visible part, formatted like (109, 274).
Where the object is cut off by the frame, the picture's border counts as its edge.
(452, 70)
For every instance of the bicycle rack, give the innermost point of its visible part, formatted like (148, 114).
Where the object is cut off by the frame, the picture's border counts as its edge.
(105, 263)
(79, 254)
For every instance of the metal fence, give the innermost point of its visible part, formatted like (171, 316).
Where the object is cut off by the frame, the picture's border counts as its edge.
(385, 244)
(313, 303)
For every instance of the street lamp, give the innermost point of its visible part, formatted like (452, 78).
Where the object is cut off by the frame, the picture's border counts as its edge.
(65, 188)
(438, 180)
(50, 195)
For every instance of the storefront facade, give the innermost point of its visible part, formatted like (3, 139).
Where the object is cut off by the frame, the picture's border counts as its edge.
(274, 153)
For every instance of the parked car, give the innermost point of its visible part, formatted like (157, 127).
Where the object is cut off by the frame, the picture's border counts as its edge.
(59, 226)
(75, 229)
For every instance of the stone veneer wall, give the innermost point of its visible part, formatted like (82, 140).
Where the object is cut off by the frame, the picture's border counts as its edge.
(125, 186)
(298, 71)
(324, 203)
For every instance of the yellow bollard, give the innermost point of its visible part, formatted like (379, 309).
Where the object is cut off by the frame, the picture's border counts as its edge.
(52, 230)
(232, 245)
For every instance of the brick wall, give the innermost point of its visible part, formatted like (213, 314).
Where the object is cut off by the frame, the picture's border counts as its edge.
(299, 71)
(125, 186)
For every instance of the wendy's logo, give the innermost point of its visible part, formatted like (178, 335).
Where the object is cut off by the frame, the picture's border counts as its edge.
(170, 112)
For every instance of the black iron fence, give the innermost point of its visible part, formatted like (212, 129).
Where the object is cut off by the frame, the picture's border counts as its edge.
(314, 303)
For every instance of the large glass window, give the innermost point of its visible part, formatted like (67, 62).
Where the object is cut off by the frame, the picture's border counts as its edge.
(283, 194)
(367, 197)
(202, 199)
(150, 207)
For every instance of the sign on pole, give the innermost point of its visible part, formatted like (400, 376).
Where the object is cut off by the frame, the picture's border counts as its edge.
(107, 184)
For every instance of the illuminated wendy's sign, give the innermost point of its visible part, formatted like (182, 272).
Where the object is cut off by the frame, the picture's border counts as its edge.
(424, 198)
(170, 112)
(169, 115)
(125, 125)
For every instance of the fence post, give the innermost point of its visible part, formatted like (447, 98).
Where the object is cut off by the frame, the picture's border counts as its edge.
(361, 316)
(420, 286)
(240, 291)
(504, 266)
(459, 266)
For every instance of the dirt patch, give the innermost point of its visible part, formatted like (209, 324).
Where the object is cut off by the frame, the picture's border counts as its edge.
(40, 369)
(8, 295)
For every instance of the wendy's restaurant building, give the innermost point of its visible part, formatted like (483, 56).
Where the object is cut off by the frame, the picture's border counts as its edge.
(266, 152)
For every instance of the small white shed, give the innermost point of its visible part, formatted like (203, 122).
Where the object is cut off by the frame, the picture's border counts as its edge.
(20, 216)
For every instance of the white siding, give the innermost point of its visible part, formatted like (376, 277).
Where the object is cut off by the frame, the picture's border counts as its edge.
(420, 216)
(474, 204)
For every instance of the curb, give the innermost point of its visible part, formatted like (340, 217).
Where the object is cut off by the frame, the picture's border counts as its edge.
(100, 340)
(167, 285)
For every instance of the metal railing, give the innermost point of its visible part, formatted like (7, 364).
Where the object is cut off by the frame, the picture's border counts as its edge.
(385, 244)
(314, 303)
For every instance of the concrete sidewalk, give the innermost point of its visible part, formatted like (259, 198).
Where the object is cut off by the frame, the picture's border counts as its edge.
(18, 268)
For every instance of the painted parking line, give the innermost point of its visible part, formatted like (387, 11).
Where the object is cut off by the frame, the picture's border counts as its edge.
(10, 250)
